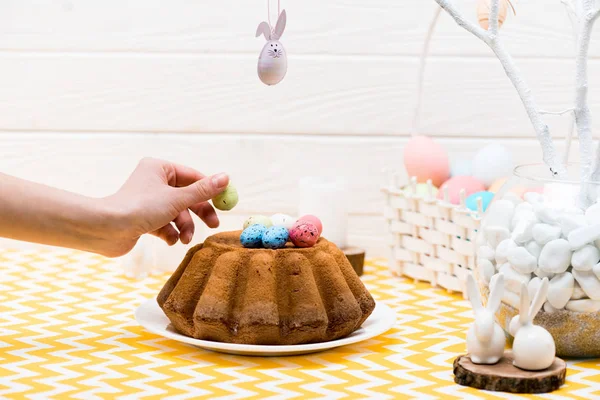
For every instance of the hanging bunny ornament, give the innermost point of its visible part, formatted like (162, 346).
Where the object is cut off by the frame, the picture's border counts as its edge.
(533, 346)
(272, 62)
(485, 338)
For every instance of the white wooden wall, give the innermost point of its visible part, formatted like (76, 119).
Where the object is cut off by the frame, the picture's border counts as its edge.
(89, 87)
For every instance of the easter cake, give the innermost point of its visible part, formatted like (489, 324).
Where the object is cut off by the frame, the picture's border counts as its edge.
(223, 291)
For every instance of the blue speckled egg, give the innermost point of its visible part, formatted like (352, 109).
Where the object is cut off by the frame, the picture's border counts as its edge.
(252, 236)
(275, 237)
(486, 198)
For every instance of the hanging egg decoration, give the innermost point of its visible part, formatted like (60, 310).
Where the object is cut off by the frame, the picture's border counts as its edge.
(483, 12)
(272, 62)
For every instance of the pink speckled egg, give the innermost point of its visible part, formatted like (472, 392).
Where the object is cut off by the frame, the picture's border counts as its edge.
(456, 184)
(426, 159)
(304, 234)
(313, 220)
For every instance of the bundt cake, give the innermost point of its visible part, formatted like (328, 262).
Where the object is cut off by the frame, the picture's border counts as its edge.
(224, 292)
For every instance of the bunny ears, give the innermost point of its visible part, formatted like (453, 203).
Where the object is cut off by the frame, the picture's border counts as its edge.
(264, 28)
(528, 312)
(496, 292)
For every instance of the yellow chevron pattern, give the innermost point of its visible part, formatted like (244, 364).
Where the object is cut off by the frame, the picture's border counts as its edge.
(67, 331)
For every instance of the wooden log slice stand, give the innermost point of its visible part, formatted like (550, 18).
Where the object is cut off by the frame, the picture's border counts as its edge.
(505, 377)
(356, 257)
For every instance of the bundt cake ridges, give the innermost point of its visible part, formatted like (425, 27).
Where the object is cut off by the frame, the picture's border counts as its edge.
(305, 299)
(302, 314)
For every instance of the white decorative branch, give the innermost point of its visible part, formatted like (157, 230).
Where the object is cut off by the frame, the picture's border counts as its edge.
(582, 112)
(492, 40)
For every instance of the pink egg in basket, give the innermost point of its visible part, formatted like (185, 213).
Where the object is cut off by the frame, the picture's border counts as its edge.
(426, 159)
(456, 184)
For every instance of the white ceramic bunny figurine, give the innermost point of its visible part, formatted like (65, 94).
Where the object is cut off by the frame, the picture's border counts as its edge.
(272, 62)
(485, 338)
(533, 346)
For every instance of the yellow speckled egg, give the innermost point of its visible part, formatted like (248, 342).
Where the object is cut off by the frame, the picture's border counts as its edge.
(258, 219)
(227, 199)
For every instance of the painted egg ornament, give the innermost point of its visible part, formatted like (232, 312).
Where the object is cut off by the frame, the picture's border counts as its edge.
(227, 199)
(313, 220)
(486, 198)
(461, 168)
(483, 12)
(275, 237)
(497, 185)
(421, 190)
(426, 159)
(252, 236)
(304, 234)
(258, 219)
(491, 163)
(283, 220)
(456, 184)
(272, 62)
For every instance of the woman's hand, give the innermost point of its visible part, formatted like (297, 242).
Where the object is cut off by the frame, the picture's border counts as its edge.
(157, 198)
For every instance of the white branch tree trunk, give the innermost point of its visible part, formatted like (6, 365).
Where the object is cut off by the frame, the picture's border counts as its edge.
(492, 40)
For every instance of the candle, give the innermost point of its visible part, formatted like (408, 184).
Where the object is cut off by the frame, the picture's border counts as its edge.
(327, 199)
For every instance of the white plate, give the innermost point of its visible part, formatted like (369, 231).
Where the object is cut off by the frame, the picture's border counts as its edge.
(150, 316)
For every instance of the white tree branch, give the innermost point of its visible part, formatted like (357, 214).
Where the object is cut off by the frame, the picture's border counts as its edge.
(493, 19)
(572, 14)
(582, 112)
(542, 131)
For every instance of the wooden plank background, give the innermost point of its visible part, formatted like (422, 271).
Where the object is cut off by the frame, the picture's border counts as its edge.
(88, 88)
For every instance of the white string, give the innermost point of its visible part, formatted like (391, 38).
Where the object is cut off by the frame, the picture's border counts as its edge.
(269, 11)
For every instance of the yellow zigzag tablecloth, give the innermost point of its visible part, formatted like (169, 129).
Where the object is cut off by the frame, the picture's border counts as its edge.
(67, 331)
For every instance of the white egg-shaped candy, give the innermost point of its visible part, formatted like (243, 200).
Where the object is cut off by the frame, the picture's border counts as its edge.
(521, 260)
(545, 213)
(534, 249)
(485, 253)
(589, 283)
(491, 163)
(502, 250)
(283, 220)
(578, 293)
(533, 286)
(584, 235)
(544, 233)
(560, 290)
(548, 307)
(585, 258)
(583, 306)
(555, 256)
(495, 235)
(513, 279)
(592, 214)
(569, 222)
(499, 214)
(486, 270)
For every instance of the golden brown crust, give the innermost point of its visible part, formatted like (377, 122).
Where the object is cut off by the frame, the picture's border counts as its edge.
(224, 292)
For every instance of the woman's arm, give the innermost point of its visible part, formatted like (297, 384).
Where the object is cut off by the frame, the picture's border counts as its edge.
(156, 199)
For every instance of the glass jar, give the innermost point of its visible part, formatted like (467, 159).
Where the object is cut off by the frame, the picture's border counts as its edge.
(539, 226)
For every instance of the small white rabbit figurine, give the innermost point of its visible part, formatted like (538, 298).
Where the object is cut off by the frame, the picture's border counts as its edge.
(272, 62)
(533, 346)
(485, 338)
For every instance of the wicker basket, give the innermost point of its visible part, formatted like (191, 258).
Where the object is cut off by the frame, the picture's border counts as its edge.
(431, 240)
